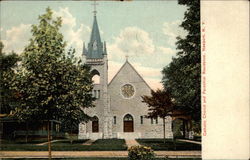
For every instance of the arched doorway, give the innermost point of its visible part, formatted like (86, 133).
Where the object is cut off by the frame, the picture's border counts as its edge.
(128, 123)
(95, 125)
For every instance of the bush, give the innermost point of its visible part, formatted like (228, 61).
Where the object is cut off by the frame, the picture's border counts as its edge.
(140, 153)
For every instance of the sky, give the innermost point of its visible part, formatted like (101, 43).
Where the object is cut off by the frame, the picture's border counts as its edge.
(145, 31)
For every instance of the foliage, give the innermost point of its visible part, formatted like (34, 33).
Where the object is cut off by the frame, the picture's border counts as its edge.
(177, 128)
(140, 153)
(182, 76)
(159, 103)
(8, 62)
(51, 84)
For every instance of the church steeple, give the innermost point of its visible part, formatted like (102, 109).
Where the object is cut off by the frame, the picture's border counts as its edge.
(95, 46)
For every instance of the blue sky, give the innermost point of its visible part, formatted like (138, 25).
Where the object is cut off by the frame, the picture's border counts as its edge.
(143, 30)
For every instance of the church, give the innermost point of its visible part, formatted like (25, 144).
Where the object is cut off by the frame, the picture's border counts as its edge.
(119, 111)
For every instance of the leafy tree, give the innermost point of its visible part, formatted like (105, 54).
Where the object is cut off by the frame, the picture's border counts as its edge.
(78, 79)
(160, 105)
(182, 76)
(7, 64)
(52, 84)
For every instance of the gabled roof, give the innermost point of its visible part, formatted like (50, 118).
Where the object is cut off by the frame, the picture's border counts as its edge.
(127, 63)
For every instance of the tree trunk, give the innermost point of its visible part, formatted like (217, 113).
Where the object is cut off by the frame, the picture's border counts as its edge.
(27, 132)
(174, 143)
(71, 136)
(164, 132)
(184, 129)
(49, 140)
(174, 138)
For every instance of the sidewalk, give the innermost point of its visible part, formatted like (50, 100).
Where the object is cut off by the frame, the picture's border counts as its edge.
(77, 154)
(88, 142)
(131, 142)
(189, 141)
(45, 143)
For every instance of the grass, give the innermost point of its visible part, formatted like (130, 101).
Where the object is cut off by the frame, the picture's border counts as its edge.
(158, 144)
(22, 141)
(65, 145)
(99, 145)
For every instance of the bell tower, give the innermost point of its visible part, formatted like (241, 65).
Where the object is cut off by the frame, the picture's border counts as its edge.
(96, 57)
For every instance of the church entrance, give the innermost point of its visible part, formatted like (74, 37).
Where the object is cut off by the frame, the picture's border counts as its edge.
(95, 125)
(128, 123)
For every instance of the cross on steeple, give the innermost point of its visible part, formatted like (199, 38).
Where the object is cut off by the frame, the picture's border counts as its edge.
(94, 4)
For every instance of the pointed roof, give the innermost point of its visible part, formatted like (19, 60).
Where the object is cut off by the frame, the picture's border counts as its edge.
(95, 46)
(129, 65)
(95, 34)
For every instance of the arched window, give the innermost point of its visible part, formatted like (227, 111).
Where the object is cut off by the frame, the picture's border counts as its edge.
(95, 124)
(96, 79)
(128, 123)
(95, 76)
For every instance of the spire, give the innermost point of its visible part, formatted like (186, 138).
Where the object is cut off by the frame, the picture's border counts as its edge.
(95, 49)
(95, 34)
(105, 49)
(95, 46)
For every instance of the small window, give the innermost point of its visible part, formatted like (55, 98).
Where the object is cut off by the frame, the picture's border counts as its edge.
(156, 120)
(141, 119)
(152, 121)
(95, 93)
(114, 119)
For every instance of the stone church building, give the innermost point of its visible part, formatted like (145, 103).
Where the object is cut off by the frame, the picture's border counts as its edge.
(119, 111)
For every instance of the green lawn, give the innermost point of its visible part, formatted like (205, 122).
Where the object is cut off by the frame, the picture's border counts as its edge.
(22, 141)
(99, 145)
(158, 144)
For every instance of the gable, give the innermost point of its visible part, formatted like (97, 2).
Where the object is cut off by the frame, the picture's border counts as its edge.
(128, 74)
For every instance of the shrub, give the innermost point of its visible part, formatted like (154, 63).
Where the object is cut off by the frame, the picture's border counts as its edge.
(140, 153)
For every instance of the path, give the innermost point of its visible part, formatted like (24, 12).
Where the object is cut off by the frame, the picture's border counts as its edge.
(131, 142)
(189, 141)
(89, 142)
(75, 154)
(41, 144)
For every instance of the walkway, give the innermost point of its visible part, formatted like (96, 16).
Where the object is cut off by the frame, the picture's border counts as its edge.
(89, 142)
(131, 142)
(189, 141)
(75, 154)
(45, 143)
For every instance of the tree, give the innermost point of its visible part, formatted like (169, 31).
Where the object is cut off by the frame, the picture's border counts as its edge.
(160, 105)
(52, 84)
(182, 76)
(7, 64)
(78, 78)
